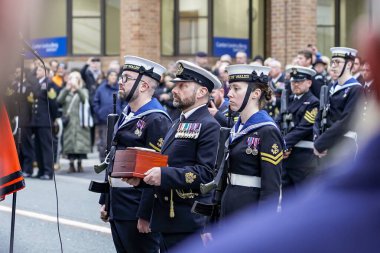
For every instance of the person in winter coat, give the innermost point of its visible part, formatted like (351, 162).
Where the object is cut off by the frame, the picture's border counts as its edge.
(103, 105)
(77, 121)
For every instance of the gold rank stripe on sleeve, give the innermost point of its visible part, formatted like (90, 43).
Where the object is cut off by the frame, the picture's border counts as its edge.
(271, 158)
(154, 147)
(309, 117)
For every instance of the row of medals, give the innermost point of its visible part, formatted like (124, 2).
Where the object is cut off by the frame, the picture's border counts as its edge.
(250, 151)
(186, 134)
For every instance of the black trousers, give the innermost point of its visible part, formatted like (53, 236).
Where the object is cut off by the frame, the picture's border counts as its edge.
(42, 150)
(127, 238)
(27, 154)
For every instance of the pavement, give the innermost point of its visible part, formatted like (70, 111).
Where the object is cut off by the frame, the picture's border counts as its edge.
(36, 226)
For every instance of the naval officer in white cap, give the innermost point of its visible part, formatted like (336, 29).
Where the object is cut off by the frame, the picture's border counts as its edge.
(344, 94)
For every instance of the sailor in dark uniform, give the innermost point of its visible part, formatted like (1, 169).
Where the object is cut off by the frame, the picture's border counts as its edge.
(277, 84)
(191, 145)
(255, 143)
(368, 89)
(41, 113)
(344, 94)
(300, 161)
(319, 79)
(143, 123)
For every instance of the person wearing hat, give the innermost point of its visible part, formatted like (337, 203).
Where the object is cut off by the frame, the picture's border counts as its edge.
(143, 123)
(255, 144)
(191, 145)
(319, 79)
(344, 94)
(299, 160)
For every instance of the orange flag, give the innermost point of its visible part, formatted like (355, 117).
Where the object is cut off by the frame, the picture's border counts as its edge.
(11, 179)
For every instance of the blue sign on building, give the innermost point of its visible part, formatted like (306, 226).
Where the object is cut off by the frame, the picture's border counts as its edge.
(50, 47)
(230, 46)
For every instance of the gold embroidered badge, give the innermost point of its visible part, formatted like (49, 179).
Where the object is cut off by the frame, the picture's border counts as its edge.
(30, 98)
(190, 177)
(179, 69)
(52, 94)
(275, 149)
(160, 142)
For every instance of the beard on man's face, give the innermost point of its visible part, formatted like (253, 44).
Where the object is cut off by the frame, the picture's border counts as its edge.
(184, 103)
(124, 94)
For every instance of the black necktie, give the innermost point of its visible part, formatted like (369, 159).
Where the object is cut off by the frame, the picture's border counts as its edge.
(182, 118)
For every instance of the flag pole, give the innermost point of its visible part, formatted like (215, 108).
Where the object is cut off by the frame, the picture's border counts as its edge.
(14, 199)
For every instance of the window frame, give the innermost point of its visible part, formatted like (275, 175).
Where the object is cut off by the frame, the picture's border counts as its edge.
(210, 26)
(103, 39)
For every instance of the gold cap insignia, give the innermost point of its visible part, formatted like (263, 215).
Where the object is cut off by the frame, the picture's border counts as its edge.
(190, 177)
(180, 69)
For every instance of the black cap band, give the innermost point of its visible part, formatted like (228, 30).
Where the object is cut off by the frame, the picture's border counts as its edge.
(142, 70)
(345, 56)
(251, 78)
(188, 74)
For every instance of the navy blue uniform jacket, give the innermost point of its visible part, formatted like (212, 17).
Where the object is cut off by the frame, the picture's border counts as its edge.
(131, 203)
(191, 162)
(343, 103)
(304, 111)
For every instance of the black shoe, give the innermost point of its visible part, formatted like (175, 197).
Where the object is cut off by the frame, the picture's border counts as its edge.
(45, 177)
(25, 175)
(36, 176)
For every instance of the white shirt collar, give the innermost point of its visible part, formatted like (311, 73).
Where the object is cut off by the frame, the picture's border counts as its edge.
(188, 114)
(298, 97)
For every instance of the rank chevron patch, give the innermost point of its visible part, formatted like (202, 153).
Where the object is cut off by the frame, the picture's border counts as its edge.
(310, 116)
(271, 158)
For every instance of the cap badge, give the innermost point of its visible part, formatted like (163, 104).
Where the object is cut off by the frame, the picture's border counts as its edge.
(179, 69)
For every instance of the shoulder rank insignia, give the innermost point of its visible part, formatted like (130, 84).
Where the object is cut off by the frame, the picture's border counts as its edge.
(158, 146)
(190, 177)
(52, 94)
(271, 158)
(30, 98)
(188, 130)
(311, 115)
(139, 127)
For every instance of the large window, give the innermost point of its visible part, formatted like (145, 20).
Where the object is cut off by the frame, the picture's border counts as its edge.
(212, 26)
(41, 22)
(326, 25)
(95, 27)
(335, 20)
(193, 26)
